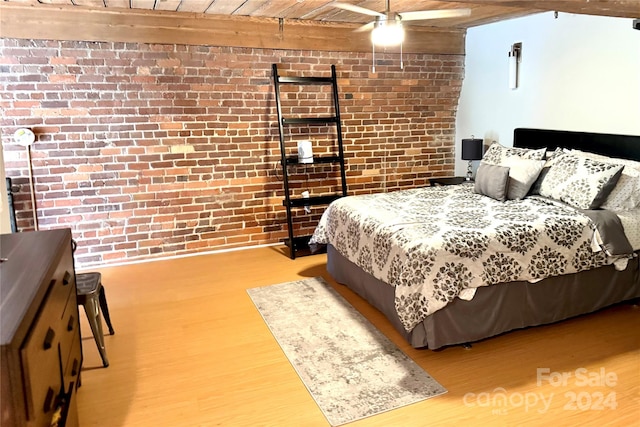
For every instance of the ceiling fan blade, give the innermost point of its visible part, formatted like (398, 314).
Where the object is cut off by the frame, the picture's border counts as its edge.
(353, 8)
(434, 14)
(365, 27)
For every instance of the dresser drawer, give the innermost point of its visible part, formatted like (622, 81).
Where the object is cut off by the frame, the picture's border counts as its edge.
(71, 378)
(61, 287)
(49, 339)
(70, 328)
(74, 362)
(65, 280)
(41, 369)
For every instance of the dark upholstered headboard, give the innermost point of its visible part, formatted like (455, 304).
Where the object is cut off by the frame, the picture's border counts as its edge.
(621, 146)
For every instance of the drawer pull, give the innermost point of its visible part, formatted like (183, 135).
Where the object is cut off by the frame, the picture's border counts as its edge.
(74, 368)
(70, 323)
(66, 279)
(48, 339)
(48, 400)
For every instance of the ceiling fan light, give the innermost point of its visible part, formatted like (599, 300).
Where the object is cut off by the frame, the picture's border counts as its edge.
(387, 35)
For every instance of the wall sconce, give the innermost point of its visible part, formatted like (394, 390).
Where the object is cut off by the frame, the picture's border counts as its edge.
(471, 150)
(515, 57)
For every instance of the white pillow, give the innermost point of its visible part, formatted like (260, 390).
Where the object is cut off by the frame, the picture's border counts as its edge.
(497, 153)
(579, 181)
(551, 157)
(625, 162)
(626, 194)
(522, 174)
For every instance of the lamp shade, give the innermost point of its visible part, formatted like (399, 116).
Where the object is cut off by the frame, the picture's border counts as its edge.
(472, 149)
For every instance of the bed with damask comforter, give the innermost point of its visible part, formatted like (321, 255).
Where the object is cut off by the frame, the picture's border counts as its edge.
(449, 265)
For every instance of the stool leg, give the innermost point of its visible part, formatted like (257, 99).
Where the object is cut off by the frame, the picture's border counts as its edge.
(105, 309)
(95, 321)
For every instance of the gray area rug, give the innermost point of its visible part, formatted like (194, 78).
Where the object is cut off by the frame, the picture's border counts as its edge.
(350, 368)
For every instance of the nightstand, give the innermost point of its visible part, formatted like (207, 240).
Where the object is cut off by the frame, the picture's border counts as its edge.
(449, 180)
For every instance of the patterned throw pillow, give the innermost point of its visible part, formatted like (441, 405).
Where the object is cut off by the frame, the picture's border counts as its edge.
(579, 181)
(626, 194)
(550, 157)
(496, 154)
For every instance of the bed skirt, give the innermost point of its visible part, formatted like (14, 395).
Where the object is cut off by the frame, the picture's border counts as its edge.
(498, 308)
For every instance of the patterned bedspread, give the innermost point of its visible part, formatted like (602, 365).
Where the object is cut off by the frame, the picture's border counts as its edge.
(434, 244)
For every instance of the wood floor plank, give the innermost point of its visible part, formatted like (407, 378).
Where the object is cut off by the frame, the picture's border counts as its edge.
(190, 349)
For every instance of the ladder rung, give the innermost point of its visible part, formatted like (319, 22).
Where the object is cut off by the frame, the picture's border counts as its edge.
(311, 201)
(293, 160)
(309, 120)
(305, 80)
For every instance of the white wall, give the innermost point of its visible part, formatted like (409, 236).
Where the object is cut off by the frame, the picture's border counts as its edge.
(5, 223)
(578, 72)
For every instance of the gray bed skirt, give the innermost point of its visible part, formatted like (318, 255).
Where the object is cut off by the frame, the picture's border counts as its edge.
(498, 308)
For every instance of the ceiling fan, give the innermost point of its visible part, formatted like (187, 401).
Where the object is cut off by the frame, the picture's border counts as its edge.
(387, 28)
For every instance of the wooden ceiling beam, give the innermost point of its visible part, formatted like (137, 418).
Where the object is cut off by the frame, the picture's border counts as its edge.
(613, 8)
(92, 24)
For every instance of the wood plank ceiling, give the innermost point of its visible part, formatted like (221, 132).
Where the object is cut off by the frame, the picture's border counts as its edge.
(278, 24)
(482, 11)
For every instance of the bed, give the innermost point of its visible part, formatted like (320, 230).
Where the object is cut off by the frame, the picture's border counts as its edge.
(476, 296)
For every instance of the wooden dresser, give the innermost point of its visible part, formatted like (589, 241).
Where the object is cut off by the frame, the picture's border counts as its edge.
(41, 353)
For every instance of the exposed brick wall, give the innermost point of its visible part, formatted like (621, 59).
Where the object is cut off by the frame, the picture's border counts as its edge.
(155, 150)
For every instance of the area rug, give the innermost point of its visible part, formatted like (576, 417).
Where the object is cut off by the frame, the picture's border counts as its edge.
(350, 368)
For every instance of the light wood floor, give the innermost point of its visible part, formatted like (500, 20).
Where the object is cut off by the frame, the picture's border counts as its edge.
(190, 349)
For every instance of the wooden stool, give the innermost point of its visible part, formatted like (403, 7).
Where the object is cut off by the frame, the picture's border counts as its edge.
(90, 294)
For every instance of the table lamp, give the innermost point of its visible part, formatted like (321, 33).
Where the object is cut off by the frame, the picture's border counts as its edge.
(471, 150)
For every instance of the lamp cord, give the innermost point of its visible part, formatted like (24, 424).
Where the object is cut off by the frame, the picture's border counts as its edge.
(373, 46)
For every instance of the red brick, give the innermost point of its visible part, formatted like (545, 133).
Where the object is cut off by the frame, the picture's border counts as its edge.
(132, 102)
